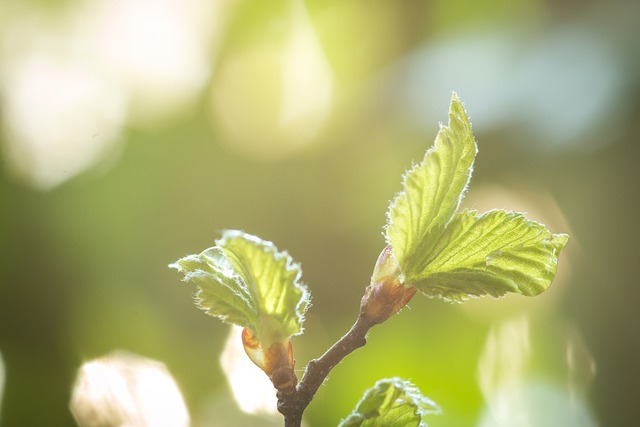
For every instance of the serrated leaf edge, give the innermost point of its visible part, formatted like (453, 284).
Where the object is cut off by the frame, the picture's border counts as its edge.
(290, 265)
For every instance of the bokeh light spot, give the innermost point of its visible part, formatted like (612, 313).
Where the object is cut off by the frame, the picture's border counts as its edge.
(70, 82)
(517, 397)
(273, 113)
(505, 357)
(251, 388)
(563, 88)
(61, 116)
(159, 51)
(124, 389)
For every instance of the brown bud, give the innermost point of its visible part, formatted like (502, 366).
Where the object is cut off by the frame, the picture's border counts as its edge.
(279, 366)
(276, 361)
(385, 298)
(386, 295)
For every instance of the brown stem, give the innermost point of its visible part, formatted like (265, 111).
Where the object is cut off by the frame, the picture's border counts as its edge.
(382, 299)
(292, 403)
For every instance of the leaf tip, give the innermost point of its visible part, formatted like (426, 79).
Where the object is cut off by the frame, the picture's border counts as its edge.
(560, 239)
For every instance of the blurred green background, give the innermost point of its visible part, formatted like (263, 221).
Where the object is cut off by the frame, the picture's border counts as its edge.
(133, 131)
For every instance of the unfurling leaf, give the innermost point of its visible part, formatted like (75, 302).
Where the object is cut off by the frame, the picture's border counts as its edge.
(391, 402)
(453, 255)
(433, 190)
(246, 281)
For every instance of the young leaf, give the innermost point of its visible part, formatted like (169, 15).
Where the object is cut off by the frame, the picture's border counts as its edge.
(391, 402)
(493, 253)
(433, 190)
(246, 281)
(455, 256)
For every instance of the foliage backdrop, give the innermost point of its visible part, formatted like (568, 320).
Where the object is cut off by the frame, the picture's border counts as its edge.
(294, 121)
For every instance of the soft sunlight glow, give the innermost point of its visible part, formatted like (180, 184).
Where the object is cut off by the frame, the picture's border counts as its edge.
(70, 81)
(307, 80)
(581, 366)
(536, 403)
(514, 396)
(274, 113)
(502, 367)
(251, 387)
(159, 50)
(504, 359)
(123, 389)
(61, 116)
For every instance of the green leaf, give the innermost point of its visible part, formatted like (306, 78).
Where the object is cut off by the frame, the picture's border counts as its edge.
(391, 402)
(455, 256)
(433, 190)
(246, 281)
(493, 253)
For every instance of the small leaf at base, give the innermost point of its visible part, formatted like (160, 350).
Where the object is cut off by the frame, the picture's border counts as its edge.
(391, 402)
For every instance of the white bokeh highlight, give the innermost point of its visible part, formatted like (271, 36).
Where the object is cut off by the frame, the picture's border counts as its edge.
(284, 108)
(307, 80)
(70, 82)
(61, 116)
(514, 395)
(123, 389)
(251, 388)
